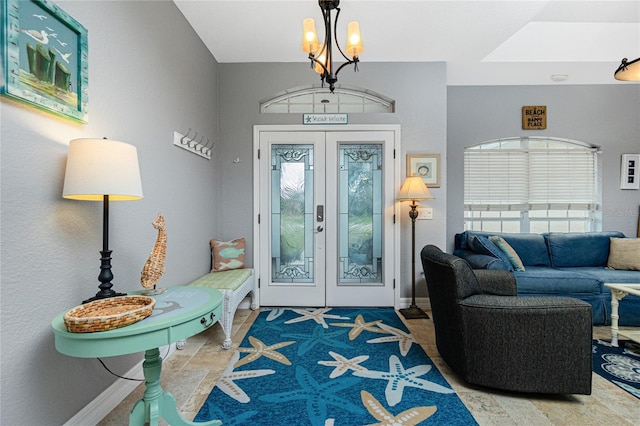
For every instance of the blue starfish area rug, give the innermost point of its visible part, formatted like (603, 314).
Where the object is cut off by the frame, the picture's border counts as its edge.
(619, 365)
(332, 366)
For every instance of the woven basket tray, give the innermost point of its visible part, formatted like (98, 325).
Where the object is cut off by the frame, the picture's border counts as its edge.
(107, 314)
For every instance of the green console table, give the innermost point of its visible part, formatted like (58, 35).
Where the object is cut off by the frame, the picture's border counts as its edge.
(179, 313)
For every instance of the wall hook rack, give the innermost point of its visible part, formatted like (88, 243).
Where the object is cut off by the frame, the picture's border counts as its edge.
(194, 144)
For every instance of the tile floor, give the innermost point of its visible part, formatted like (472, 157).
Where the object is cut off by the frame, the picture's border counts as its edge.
(191, 373)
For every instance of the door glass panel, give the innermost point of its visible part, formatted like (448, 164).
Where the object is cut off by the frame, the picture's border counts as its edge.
(360, 214)
(292, 251)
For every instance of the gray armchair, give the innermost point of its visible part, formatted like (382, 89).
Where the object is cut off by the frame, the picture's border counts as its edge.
(491, 337)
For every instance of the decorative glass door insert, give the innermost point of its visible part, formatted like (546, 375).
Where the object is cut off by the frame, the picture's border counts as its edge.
(292, 202)
(360, 214)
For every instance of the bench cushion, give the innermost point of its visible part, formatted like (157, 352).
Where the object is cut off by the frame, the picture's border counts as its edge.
(225, 280)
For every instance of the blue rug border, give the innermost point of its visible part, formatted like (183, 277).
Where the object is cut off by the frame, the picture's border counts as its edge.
(627, 348)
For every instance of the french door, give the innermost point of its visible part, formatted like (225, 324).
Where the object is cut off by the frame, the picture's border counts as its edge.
(325, 208)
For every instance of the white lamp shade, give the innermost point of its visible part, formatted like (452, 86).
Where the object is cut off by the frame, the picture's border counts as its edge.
(628, 71)
(98, 167)
(414, 188)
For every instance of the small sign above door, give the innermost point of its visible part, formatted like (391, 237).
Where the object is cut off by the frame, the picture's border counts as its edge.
(534, 117)
(325, 119)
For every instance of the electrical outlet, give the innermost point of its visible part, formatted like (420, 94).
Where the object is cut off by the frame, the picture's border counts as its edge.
(425, 213)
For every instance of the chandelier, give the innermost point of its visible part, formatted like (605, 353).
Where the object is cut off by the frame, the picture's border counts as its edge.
(628, 71)
(321, 55)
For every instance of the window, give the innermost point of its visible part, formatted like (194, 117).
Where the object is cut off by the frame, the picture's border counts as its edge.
(531, 185)
(321, 100)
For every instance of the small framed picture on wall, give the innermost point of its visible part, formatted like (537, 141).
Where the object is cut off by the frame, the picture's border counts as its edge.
(630, 171)
(425, 165)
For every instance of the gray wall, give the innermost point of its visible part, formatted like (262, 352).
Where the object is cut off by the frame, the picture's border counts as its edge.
(149, 75)
(152, 76)
(419, 90)
(607, 116)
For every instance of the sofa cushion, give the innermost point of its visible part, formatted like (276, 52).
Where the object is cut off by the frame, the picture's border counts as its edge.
(543, 280)
(579, 248)
(604, 275)
(531, 248)
(481, 244)
(482, 261)
(508, 251)
(624, 253)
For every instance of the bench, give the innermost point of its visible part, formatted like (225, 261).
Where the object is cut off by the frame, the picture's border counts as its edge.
(234, 285)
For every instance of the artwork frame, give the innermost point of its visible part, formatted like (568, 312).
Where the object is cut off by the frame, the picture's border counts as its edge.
(630, 171)
(425, 165)
(45, 58)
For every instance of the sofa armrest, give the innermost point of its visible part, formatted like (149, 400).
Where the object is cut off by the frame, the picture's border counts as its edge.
(501, 283)
(481, 261)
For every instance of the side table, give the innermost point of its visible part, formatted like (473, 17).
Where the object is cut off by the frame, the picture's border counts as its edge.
(179, 313)
(618, 292)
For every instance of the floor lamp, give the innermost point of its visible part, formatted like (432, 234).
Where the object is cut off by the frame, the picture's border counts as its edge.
(414, 189)
(102, 170)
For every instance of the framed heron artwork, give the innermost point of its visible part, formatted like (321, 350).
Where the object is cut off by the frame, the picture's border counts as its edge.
(45, 55)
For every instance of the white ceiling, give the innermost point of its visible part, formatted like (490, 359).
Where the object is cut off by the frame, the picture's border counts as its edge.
(483, 42)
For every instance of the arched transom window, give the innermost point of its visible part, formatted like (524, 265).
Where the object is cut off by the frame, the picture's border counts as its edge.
(320, 100)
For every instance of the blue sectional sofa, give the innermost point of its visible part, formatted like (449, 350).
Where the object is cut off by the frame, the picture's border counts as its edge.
(560, 264)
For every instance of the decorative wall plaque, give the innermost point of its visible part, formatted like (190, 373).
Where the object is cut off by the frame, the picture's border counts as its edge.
(45, 58)
(534, 117)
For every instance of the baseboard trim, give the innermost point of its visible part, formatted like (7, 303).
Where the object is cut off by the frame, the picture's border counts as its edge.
(104, 403)
(422, 302)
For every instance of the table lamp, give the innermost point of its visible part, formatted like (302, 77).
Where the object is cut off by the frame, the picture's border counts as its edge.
(102, 170)
(414, 189)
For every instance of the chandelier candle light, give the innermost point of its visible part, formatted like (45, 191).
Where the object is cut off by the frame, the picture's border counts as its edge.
(412, 190)
(321, 56)
(102, 170)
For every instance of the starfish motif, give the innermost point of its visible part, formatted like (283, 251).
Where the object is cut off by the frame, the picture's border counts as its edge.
(359, 326)
(342, 364)
(259, 349)
(318, 396)
(318, 315)
(410, 417)
(272, 324)
(398, 378)
(318, 337)
(210, 410)
(275, 313)
(405, 340)
(227, 382)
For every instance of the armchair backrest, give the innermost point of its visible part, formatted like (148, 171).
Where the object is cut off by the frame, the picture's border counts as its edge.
(450, 279)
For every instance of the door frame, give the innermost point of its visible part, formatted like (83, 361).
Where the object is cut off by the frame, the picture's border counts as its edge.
(397, 174)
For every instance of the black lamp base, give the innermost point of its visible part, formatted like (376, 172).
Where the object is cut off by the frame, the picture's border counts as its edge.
(413, 312)
(105, 278)
(103, 295)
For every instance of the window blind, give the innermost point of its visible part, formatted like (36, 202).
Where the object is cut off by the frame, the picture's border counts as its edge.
(560, 177)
